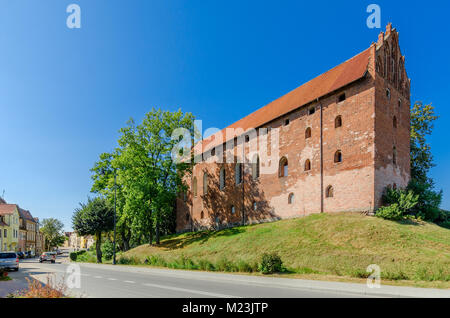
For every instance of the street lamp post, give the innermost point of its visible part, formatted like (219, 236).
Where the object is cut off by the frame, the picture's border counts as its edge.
(114, 243)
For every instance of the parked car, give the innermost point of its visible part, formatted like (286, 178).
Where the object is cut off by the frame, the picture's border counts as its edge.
(58, 252)
(47, 257)
(21, 255)
(9, 260)
(28, 254)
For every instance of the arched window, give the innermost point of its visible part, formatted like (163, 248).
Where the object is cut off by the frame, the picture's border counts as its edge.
(338, 156)
(291, 198)
(187, 217)
(205, 183)
(255, 206)
(194, 186)
(394, 155)
(308, 133)
(393, 65)
(394, 122)
(329, 192)
(222, 178)
(394, 186)
(233, 210)
(307, 165)
(338, 122)
(283, 170)
(255, 167)
(202, 215)
(238, 173)
(400, 73)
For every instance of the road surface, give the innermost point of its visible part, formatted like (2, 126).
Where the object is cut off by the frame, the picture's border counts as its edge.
(108, 281)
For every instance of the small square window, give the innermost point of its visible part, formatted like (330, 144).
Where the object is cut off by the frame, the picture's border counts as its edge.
(286, 121)
(312, 110)
(247, 138)
(341, 98)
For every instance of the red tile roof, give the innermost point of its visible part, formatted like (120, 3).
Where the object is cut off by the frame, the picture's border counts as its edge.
(336, 78)
(7, 209)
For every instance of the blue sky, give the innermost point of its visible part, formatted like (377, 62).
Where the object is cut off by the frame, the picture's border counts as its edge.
(65, 93)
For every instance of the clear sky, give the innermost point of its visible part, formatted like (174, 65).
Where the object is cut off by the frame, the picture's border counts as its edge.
(65, 93)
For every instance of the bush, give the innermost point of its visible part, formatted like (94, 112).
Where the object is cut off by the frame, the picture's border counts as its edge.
(73, 256)
(108, 250)
(400, 202)
(391, 212)
(270, 263)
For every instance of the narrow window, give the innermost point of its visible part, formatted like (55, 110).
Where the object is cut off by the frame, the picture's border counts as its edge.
(308, 133)
(307, 165)
(255, 206)
(388, 93)
(194, 186)
(235, 141)
(329, 192)
(187, 217)
(202, 215)
(255, 167)
(213, 152)
(399, 103)
(291, 198)
(341, 98)
(394, 155)
(283, 169)
(394, 122)
(238, 173)
(286, 121)
(233, 210)
(205, 183)
(247, 138)
(394, 186)
(338, 122)
(312, 110)
(222, 178)
(338, 156)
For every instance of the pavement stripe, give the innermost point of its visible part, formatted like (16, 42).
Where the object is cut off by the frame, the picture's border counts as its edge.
(112, 278)
(191, 291)
(129, 281)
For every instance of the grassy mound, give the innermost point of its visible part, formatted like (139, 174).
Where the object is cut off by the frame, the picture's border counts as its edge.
(341, 245)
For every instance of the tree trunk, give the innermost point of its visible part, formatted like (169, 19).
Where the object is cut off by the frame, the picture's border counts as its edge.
(157, 229)
(98, 245)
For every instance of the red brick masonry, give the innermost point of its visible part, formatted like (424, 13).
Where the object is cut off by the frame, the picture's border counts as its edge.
(359, 122)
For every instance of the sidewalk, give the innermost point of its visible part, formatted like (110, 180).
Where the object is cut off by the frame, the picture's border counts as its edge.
(12, 286)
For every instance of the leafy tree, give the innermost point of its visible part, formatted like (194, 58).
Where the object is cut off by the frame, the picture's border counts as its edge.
(422, 124)
(52, 229)
(94, 218)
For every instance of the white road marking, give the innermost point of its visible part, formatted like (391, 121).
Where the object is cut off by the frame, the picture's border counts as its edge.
(129, 281)
(98, 277)
(191, 291)
(112, 278)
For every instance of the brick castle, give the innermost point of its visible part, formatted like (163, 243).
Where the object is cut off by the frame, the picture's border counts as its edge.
(341, 139)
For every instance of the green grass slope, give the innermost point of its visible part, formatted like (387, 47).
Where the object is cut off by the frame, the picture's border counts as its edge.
(338, 245)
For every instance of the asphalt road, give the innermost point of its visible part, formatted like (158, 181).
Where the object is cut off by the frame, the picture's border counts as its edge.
(107, 281)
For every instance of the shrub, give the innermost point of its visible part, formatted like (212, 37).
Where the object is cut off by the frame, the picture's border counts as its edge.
(108, 250)
(400, 202)
(391, 212)
(270, 263)
(125, 260)
(73, 256)
(206, 265)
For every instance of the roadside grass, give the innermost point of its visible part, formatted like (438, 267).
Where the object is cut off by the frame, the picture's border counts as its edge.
(337, 246)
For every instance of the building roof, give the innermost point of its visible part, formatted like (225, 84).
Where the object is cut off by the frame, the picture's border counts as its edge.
(336, 78)
(24, 214)
(7, 209)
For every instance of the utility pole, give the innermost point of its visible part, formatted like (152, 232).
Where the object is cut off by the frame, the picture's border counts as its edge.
(243, 180)
(114, 244)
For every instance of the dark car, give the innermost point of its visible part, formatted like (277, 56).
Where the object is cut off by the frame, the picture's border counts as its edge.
(47, 257)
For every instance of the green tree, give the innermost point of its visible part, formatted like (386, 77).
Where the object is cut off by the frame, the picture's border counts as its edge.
(52, 229)
(422, 124)
(94, 218)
